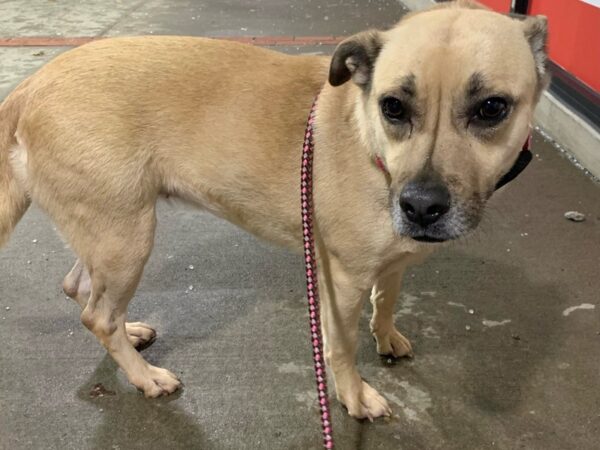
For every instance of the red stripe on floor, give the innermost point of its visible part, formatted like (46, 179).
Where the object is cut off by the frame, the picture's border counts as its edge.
(43, 41)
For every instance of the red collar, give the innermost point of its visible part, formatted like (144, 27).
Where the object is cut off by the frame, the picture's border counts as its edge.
(379, 163)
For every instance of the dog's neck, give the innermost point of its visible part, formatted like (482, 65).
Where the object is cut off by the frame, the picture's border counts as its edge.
(337, 131)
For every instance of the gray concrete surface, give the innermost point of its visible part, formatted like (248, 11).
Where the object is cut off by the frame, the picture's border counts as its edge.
(194, 17)
(524, 376)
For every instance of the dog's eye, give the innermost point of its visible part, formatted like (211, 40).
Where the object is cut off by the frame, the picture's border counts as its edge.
(492, 109)
(393, 109)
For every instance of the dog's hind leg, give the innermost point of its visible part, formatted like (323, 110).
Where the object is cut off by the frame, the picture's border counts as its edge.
(115, 255)
(383, 297)
(78, 285)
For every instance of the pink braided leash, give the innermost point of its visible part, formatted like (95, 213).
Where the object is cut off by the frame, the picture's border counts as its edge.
(312, 291)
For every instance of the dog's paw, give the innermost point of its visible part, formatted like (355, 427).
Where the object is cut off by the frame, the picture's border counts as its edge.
(140, 335)
(157, 382)
(393, 343)
(367, 403)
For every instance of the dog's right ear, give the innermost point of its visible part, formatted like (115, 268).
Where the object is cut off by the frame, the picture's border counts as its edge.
(354, 58)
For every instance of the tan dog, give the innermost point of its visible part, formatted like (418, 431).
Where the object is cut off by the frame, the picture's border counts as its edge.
(98, 135)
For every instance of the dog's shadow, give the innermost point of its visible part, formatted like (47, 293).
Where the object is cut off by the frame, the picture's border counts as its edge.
(128, 420)
(482, 331)
(515, 326)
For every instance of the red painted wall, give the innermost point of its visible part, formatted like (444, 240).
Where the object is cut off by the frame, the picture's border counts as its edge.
(574, 35)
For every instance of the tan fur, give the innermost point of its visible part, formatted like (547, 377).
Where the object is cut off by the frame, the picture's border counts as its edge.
(98, 135)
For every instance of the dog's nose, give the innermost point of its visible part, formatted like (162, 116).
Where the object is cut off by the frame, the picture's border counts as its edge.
(424, 202)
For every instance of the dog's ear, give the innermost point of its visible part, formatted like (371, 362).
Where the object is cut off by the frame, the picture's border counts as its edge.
(355, 57)
(536, 33)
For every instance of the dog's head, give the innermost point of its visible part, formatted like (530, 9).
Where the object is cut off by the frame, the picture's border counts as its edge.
(445, 100)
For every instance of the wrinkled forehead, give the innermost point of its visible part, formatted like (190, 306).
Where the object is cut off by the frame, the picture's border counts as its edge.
(456, 49)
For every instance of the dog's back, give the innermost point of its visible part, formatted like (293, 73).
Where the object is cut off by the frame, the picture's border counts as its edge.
(122, 121)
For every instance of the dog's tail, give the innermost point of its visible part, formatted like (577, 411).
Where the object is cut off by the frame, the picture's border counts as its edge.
(13, 197)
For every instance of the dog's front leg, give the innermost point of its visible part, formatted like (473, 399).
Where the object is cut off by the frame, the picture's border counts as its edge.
(383, 297)
(342, 302)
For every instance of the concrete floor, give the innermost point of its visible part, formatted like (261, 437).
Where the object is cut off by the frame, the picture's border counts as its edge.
(524, 376)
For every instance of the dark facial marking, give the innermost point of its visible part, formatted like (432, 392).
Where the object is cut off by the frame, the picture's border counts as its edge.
(475, 85)
(409, 86)
(477, 98)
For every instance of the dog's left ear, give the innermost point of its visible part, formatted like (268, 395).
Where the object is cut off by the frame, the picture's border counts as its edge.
(355, 57)
(536, 33)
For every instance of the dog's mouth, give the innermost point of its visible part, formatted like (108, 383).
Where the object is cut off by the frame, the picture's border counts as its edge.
(436, 233)
(447, 229)
(430, 239)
